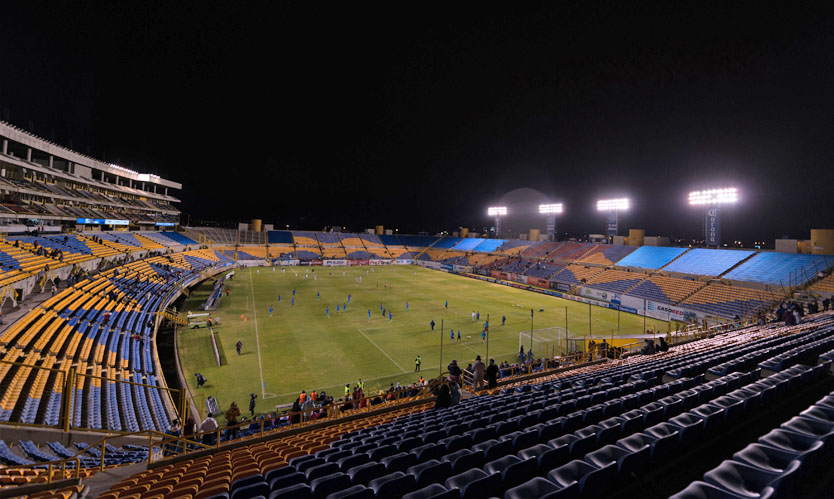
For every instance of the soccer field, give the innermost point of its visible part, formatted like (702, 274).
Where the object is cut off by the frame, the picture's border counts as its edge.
(299, 347)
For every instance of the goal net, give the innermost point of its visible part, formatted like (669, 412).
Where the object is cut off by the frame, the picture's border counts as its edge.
(549, 341)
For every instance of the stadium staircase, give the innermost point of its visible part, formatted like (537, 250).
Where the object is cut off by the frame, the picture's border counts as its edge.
(173, 316)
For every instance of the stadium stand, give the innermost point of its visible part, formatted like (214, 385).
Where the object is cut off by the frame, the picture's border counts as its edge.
(282, 251)
(665, 289)
(576, 274)
(469, 244)
(543, 270)
(394, 248)
(538, 249)
(414, 242)
(513, 247)
(351, 241)
(568, 250)
(606, 254)
(490, 245)
(782, 269)
(372, 241)
(618, 281)
(444, 243)
(306, 239)
(279, 237)
(730, 301)
(824, 285)
(707, 262)
(179, 238)
(651, 257)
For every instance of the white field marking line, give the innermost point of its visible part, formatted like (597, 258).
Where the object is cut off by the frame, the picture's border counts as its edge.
(423, 369)
(381, 350)
(257, 341)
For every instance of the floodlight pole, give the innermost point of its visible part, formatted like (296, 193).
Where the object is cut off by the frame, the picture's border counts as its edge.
(566, 330)
(487, 342)
(531, 329)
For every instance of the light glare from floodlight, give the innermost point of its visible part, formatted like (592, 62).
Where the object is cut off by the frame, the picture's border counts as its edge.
(726, 195)
(620, 204)
(497, 211)
(550, 208)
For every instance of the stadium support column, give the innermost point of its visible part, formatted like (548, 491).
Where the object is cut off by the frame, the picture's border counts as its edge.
(566, 330)
(29, 155)
(486, 357)
(5, 146)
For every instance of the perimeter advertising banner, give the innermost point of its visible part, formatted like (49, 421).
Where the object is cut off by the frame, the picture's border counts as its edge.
(380, 262)
(538, 282)
(335, 263)
(287, 263)
(405, 261)
(713, 227)
(358, 262)
(463, 269)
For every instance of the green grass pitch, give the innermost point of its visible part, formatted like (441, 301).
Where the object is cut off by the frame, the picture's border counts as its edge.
(299, 347)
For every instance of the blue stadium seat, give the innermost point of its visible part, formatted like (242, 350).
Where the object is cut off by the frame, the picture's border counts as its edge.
(543, 489)
(393, 485)
(474, 483)
(592, 480)
(433, 491)
(746, 481)
(766, 458)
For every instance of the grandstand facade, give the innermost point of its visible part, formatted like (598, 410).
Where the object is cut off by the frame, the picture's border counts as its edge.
(51, 186)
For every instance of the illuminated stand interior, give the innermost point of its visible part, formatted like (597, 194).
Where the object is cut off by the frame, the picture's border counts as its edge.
(711, 200)
(613, 207)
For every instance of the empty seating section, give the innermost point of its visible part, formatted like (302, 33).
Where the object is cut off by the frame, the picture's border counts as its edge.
(445, 243)
(104, 328)
(707, 262)
(468, 244)
(783, 269)
(568, 250)
(244, 252)
(513, 247)
(617, 281)
(179, 238)
(307, 239)
(489, 245)
(606, 254)
(576, 274)
(538, 249)
(328, 239)
(730, 301)
(651, 257)
(415, 242)
(352, 241)
(279, 237)
(665, 289)
(334, 253)
(543, 270)
(373, 241)
(824, 285)
(282, 251)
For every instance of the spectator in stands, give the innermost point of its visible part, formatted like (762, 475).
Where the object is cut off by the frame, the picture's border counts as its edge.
(252, 398)
(189, 429)
(826, 303)
(174, 432)
(444, 397)
(454, 371)
(454, 394)
(231, 420)
(664, 347)
(295, 412)
(306, 408)
(648, 348)
(478, 369)
(208, 427)
(492, 374)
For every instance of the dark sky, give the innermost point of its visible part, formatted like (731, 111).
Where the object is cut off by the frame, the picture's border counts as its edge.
(418, 116)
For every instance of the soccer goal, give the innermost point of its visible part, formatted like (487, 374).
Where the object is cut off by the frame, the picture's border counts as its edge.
(550, 341)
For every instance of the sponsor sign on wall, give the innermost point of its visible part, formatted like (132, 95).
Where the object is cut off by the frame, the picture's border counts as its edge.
(335, 263)
(713, 227)
(288, 263)
(405, 261)
(463, 269)
(380, 262)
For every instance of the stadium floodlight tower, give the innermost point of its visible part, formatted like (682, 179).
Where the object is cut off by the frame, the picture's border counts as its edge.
(711, 200)
(497, 212)
(550, 211)
(613, 207)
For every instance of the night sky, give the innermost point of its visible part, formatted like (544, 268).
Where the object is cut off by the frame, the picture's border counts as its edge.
(418, 117)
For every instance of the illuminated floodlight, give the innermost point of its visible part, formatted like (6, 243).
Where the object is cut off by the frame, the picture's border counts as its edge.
(497, 211)
(552, 208)
(621, 204)
(726, 195)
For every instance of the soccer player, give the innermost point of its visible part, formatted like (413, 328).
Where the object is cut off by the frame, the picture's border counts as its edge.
(389, 316)
(432, 324)
(503, 319)
(447, 304)
(293, 291)
(337, 308)
(279, 298)
(473, 315)
(483, 336)
(318, 295)
(271, 308)
(406, 306)
(452, 336)
(327, 312)
(478, 316)
(292, 302)
(417, 363)
(239, 346)
(458, 335)
(348, 297)
(369, 314)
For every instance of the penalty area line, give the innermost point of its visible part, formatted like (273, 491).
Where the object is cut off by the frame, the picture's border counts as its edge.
(380, 349)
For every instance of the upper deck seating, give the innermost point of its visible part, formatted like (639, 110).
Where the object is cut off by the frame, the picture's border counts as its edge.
(538, 249)
(618, 281)
(279, 237)
(490, 245)
(784, 269)
(606, 254)
(707, 262)
(447, 243)
(468, 244)
(651, 257)
(513, 247)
